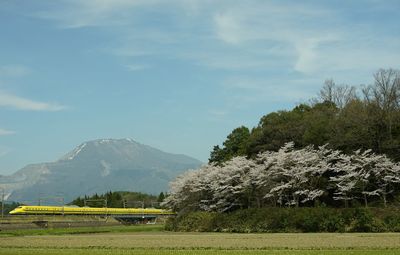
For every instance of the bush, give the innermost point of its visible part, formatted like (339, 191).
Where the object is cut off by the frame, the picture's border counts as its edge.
(362, 221)
(391, 219)
(317, 219)
(196, 222)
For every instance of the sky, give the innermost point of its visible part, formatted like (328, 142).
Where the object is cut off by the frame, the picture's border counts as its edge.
(178, 75)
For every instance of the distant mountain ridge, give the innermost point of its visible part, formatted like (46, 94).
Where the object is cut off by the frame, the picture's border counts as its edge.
(96, 167)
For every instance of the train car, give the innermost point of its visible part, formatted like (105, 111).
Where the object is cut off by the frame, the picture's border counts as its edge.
(67, 210)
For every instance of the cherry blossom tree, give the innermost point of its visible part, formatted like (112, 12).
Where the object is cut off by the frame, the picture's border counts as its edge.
(288, 177)
(296, 173)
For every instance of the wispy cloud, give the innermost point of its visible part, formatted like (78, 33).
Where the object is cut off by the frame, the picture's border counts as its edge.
(4, 151)
(14, 70)
(137, 67)
(6, 132)
(20, 103)
(246, 89)
(304, 37)
(78, 14)
(311, 38)
(277, 30)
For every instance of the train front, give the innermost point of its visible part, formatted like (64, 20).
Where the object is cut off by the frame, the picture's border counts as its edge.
(18, 210)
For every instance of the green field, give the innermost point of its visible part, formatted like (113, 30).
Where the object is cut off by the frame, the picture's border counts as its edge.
(152, 240)
(81, 230)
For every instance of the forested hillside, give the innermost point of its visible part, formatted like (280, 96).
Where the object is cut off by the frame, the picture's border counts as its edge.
(347, 118)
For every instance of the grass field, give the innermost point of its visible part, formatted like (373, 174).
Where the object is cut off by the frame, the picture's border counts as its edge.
(144, 240)
(189, 252)
(81, 230)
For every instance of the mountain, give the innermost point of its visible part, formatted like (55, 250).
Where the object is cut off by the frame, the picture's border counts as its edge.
(96, 167)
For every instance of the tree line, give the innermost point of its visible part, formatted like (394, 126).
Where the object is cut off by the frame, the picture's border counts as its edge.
(344, 117)
(120, 199)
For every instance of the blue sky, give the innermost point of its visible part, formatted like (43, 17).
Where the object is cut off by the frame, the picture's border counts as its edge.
(178, 75)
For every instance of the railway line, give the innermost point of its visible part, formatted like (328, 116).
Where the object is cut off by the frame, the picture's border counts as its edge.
(123, 215)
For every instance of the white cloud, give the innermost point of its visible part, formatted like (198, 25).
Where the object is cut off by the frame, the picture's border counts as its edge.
(6, 132)
(20, 103)
(312, 39)
(289, 29)
(307, 55)
(228, 28)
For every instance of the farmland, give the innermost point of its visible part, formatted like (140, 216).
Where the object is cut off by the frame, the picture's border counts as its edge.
(155, 241)
(190, 252)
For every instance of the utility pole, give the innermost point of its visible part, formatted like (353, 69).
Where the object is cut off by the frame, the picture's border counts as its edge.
(63, 204)
(2, 203)
(105, 201)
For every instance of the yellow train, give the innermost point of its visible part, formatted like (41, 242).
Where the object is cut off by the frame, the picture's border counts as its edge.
(67, 210)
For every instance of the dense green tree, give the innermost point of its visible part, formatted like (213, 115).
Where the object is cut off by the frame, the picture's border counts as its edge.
(278, 128)
(217, 155)
(319, 123)
(235, 145)
(338, 117)
(8, 207)
(352, 129)
(161, 197)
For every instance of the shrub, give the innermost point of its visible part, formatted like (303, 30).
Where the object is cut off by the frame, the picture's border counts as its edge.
(317, 219)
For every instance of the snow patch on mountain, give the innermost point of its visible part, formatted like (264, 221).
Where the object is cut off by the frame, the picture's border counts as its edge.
(106, 168)
(74, 153)
(103, 141)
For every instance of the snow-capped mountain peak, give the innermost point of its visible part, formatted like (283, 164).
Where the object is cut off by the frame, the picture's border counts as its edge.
(99, 166)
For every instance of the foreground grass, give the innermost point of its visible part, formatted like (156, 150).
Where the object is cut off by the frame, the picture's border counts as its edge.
(207, 241)
(82, 230)
(16, 251)
(146, 240)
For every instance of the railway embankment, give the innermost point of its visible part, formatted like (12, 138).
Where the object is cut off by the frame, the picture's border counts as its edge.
(54, 221)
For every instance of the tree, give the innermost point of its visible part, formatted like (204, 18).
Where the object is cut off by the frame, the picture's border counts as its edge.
(288, 177)
(297, 173)
(352, 129)
(365, 174)
(340, 96)
(161, 197)
(383, 98)
(217, 155)
(234, 145)
(384, 174)
(319, 124)
(278, 128)
(184, 192)
(231, 187)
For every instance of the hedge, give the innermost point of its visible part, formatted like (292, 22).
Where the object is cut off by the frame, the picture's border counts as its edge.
(317, 219)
